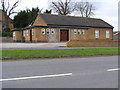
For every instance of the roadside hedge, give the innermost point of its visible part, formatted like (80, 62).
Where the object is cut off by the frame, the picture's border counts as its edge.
(6, 34)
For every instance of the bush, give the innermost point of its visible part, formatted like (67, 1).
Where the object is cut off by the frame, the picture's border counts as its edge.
(22, 39)
(6, 34)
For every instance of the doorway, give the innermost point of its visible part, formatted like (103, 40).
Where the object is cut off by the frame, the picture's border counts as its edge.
(64, 35)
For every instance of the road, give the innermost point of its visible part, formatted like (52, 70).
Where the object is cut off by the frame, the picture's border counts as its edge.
(85, 72)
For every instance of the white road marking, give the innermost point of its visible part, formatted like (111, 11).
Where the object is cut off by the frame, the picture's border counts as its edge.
(33, 77)
(116, 69)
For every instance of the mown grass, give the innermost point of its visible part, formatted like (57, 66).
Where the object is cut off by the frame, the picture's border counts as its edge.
(52, 53)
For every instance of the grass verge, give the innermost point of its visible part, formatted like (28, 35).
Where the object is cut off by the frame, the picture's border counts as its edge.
(52, 53)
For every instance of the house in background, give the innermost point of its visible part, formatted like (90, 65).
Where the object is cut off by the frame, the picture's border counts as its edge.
(58, 28)
(5, 22)
(116, 35)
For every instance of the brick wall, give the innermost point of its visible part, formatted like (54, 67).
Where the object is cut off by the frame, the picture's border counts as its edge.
(90, 34)
(18, 35)
(102, 33)
(93, 43)
(78, 36)
(39, 37)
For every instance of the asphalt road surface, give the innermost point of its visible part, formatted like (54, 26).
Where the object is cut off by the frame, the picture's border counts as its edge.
(87, 72)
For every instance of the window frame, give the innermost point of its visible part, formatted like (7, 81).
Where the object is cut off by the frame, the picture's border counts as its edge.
(83, 32)
(47, 31)
(53, 31)
(107, 34)
(97, 34)
(24, 33)
(75, 31)
(14, 34)
(43, 31)
(27, 32)
(79, 32)
(32, 32)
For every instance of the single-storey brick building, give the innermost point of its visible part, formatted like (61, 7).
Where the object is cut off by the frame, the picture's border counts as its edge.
(56, 28)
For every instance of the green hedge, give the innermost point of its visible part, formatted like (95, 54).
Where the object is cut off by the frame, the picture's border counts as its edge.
(6, 34)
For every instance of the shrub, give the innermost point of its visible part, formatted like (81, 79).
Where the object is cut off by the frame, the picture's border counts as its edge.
(6, 34)
(22, 39)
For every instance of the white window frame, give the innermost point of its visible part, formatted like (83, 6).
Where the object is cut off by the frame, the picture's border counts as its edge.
(79, 32)
(83, 32)
(43, 31)
(53, 30)
(32, 31)
(107, 34)
(96, 33)
(75, 31)
(14, 34)
(48, 31)
(26, 32)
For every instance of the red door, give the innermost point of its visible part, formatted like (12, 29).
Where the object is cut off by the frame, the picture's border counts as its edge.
(64, 35)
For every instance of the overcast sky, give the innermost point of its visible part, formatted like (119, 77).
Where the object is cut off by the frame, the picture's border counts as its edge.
(105, 9)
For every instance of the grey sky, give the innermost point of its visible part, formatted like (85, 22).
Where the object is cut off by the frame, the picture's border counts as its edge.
(106, 9)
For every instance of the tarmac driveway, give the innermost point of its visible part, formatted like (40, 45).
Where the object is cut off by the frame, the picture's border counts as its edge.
(32, 45)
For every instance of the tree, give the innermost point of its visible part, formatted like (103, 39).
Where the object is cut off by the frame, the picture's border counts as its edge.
(7, 8)
(48, 11)
(63, 8)
(25, 18)
(86, 9)
(21, 19)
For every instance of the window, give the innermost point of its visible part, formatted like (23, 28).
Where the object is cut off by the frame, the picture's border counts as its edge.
(75, 31)
(52, 31)
(43, 31)
(47, 31)
(96, 33)
(107, 34)
(32, 31)
(14, 34)
(83, 32)
(26, 32)
(79, 32)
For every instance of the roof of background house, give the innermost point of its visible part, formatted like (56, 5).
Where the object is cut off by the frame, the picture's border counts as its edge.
(62, 20)
(116, 33)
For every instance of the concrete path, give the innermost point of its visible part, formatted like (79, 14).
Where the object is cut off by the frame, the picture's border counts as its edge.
(26, 46)
(33, 45)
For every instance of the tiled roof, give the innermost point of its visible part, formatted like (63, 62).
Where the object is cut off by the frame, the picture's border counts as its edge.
(61, 20)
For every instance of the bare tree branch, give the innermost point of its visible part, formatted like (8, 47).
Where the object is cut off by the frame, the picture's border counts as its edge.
(86, 9)
(63, 8)
(7, 8)
(13, 7)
